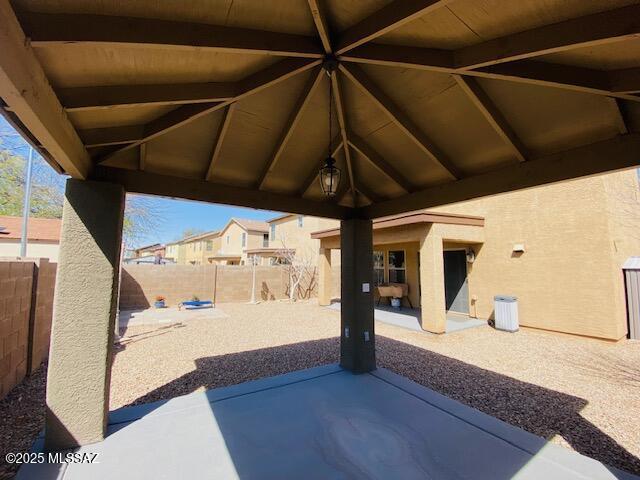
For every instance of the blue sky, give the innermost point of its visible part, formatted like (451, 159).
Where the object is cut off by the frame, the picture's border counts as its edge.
(177, 215)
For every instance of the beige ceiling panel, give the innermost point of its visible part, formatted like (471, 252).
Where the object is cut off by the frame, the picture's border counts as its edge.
(255, 127)
(128, 159)
(342, 14)
(440, 28)
(609, 56)
(307, 145)
(363, 116)
(397, 149)
(84, 64)
(549, 120)
(184, 151)
(373, 179)
(443, 112)
(289, 16)
(112, 117)
(497, 18)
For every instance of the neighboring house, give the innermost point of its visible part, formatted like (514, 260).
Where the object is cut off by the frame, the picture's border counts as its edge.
(289, 236)
(236, 238)
(154, 250)
(43, 237)
(559, 249)
(148, 260)
(176, 252)
(198, 248)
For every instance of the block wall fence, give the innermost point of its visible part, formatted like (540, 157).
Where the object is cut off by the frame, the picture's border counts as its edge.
(140, 284)
(26, 308)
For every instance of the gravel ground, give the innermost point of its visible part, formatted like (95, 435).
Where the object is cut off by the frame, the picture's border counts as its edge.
(580, 393)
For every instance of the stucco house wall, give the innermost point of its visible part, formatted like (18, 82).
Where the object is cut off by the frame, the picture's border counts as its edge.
(576, 236)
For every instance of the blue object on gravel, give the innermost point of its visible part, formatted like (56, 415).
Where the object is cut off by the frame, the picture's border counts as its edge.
(193, 304)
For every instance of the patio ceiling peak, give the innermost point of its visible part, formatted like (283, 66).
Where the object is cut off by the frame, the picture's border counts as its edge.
(435, 101)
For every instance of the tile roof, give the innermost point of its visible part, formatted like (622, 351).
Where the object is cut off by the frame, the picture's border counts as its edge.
(253, 225)
(47, 229)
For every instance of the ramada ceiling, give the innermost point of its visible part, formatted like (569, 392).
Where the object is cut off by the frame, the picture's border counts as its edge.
(433, 101)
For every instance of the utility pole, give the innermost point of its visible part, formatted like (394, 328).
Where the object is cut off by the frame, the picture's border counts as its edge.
(26, 204)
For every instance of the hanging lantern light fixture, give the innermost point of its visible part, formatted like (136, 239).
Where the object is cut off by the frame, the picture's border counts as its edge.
(330, 174)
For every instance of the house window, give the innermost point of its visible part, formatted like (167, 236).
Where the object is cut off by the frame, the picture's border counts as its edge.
(228, 239)
(244, 239)
(265, 240)
(209, 245)
(273, 232)
(378, 268)
(300, 221)
(397, 267)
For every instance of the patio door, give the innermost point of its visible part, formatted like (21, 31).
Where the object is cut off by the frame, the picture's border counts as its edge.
(456, 287)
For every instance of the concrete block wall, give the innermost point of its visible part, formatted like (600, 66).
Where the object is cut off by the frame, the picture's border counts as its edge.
(140, 284)
(42, 314)
(16, 279)
(234, 283)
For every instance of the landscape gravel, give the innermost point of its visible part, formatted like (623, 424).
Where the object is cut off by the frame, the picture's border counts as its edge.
(581, 393)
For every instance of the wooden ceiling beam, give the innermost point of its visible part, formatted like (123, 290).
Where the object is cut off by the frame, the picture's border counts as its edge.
(217, 147)
(385, 20)
(342, 121)
(322, 27)
(251, 85)
(565, 77)
(359, 78)
(375, 159)
(313, 175)
(495, 118)
(588, 31)
(47, 29)
(294, 118)
(135, 181)
(112, 96)
(27, 93)
(618, 153)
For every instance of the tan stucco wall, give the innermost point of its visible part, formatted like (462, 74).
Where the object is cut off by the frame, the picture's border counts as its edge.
(234, 247)
(576, 235)
(288, 233)
(35, 249)
(198, 251)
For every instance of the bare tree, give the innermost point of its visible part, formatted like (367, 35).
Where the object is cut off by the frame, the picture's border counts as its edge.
(301, 267)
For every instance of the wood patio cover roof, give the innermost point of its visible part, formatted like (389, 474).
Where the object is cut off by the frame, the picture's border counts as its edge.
(435, 101)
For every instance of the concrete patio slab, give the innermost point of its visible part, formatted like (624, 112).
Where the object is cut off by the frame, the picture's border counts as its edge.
(409, 318)
(320, 423)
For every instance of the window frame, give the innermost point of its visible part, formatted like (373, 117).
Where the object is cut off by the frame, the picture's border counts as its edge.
(396, 269)
(375, 269)
(243, 240)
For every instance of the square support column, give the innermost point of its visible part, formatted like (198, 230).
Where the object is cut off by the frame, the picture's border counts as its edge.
(324, 277)
(432, 303)
(84, 313)
(357, 339)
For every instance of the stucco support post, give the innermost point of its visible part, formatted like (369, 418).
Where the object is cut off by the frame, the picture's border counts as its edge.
(324, 277)
(84, 312)
(357, 339)
(432, 302)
